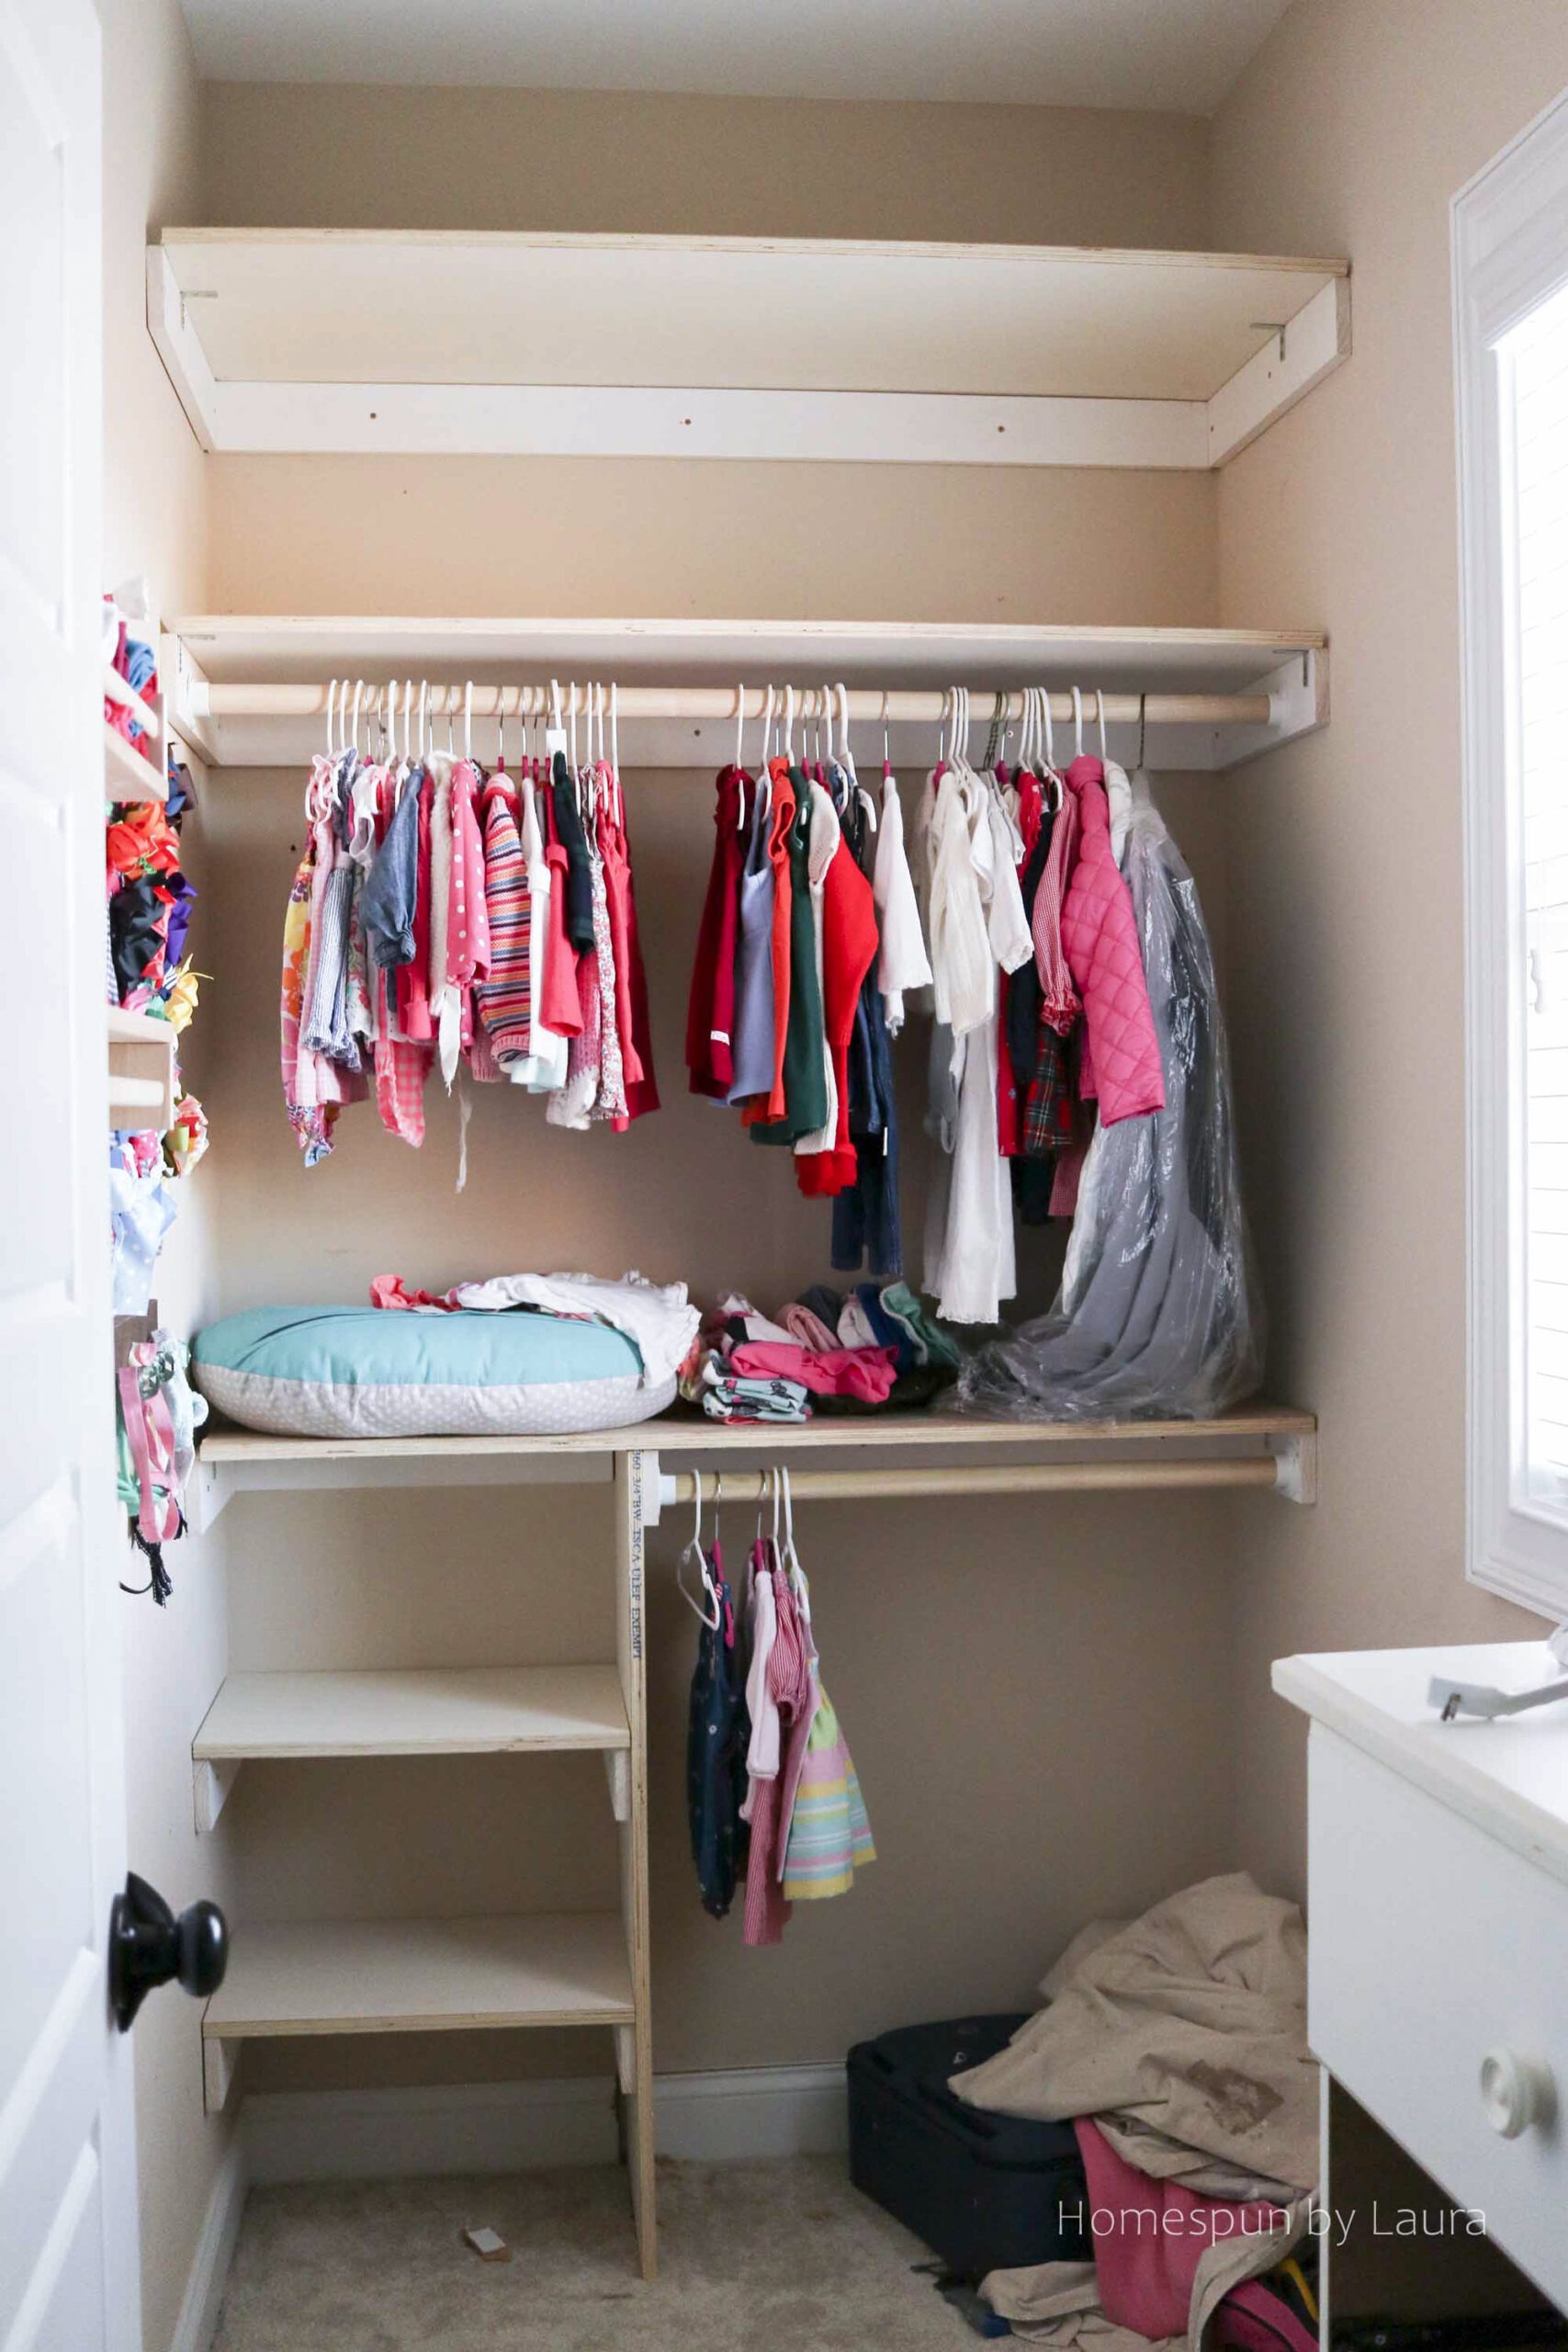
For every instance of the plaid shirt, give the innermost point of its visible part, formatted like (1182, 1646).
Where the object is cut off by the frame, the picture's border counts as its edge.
(1048, 1110)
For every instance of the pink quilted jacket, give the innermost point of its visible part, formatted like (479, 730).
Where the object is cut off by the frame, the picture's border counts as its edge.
(1100, 935)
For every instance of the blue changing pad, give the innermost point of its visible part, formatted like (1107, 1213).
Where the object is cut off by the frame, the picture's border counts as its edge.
(371, 1372)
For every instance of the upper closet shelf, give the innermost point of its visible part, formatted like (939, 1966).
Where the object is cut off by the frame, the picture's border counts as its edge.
(545, 345)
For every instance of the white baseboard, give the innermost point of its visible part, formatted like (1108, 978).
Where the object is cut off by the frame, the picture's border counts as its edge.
(524, 2127)
(751, 2111)
(198, 2322)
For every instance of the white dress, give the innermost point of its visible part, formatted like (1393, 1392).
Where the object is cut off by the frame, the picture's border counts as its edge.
(970, 1263)
(902, 962)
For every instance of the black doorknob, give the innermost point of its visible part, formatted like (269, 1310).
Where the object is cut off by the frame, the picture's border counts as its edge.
(148, 1946)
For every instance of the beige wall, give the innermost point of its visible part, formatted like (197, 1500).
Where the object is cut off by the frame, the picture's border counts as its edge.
(1349, 134)
(156, 523)
(380, 158)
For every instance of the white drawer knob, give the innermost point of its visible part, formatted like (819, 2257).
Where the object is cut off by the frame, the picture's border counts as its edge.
(1515, 2092)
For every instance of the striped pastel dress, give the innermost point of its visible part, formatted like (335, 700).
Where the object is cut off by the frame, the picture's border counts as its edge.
(830, 1836)
(503, 996)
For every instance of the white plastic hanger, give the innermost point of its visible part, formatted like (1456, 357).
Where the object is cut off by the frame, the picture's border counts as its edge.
(848, 758)
(739, 724)
(694, 1550)
(1077, 724)
(1099, 714)
(789, 725)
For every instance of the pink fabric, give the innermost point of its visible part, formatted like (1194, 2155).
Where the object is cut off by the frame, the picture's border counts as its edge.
(468, 915)
(1061, 1005)
(1252, 2318)
(807, 1330)
(792, 1684)
(1145, 2262)
(390, 1289)
(864, 1372)
(402, 1068)
(1100, 935)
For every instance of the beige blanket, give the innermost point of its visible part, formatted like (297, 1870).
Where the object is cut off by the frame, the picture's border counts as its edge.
(1185, 2034)
(1058, 2302)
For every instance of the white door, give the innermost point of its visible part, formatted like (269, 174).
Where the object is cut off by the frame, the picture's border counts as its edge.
(68, 2266)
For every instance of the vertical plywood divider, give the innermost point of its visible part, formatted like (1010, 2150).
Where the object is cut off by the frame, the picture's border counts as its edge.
(630, 1648)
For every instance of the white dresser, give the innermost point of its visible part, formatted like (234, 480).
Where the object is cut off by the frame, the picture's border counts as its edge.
(1437, 1911)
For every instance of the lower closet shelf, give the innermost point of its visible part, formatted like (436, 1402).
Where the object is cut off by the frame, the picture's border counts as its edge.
(420, 1976)
(424, 1711)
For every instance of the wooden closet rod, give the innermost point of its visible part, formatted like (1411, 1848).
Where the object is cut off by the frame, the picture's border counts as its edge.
(900, 706)
(1024, 1478)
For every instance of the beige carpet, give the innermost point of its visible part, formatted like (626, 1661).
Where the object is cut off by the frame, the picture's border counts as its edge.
(754, 2257)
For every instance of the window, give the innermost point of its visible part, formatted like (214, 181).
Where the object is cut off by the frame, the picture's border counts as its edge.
(1510, 260)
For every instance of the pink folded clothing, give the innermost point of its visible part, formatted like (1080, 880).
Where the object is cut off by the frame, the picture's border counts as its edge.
(867, 1374)
(807, 1330)
(390, 1289)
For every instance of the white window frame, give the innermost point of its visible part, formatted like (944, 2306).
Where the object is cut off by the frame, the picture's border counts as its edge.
(1509, 254)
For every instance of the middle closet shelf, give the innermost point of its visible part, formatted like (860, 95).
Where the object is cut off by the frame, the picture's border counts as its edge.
(410, 1711)
(1276, 1443)
(250, 690)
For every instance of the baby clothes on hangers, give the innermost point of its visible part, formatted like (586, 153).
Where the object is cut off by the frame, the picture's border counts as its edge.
(787, 1693)
(467, 945)
(902, 962)
(563, 1000)
(312, 1122)
(822, 858)
(637, 1046)
(718, 1733)
(503, 995)
(969, 1259)
(710, 1013)
(803, 1062)
(1121, 1063)
(830, 1835)
(610, 1098)
(754, 1010)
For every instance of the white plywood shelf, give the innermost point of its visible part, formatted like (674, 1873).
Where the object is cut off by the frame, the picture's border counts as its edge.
(683, 1435)
(126, 1028)
(540, 344)
(250, 691)
(425, 1710)
(422, 1977)
(121, 690)
(127, 774)
(431, 1711)
(142, 1085)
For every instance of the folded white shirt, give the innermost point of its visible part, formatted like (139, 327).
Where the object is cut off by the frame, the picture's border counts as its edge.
(658, 1318)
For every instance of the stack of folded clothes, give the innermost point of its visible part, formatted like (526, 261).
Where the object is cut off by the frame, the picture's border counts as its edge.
(869, 1350)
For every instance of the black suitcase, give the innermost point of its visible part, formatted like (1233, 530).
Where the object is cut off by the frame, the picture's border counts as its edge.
(985, 2192)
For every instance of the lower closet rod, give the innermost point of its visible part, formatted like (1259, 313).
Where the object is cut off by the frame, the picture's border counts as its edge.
(1024, 1478)
(903, 705)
